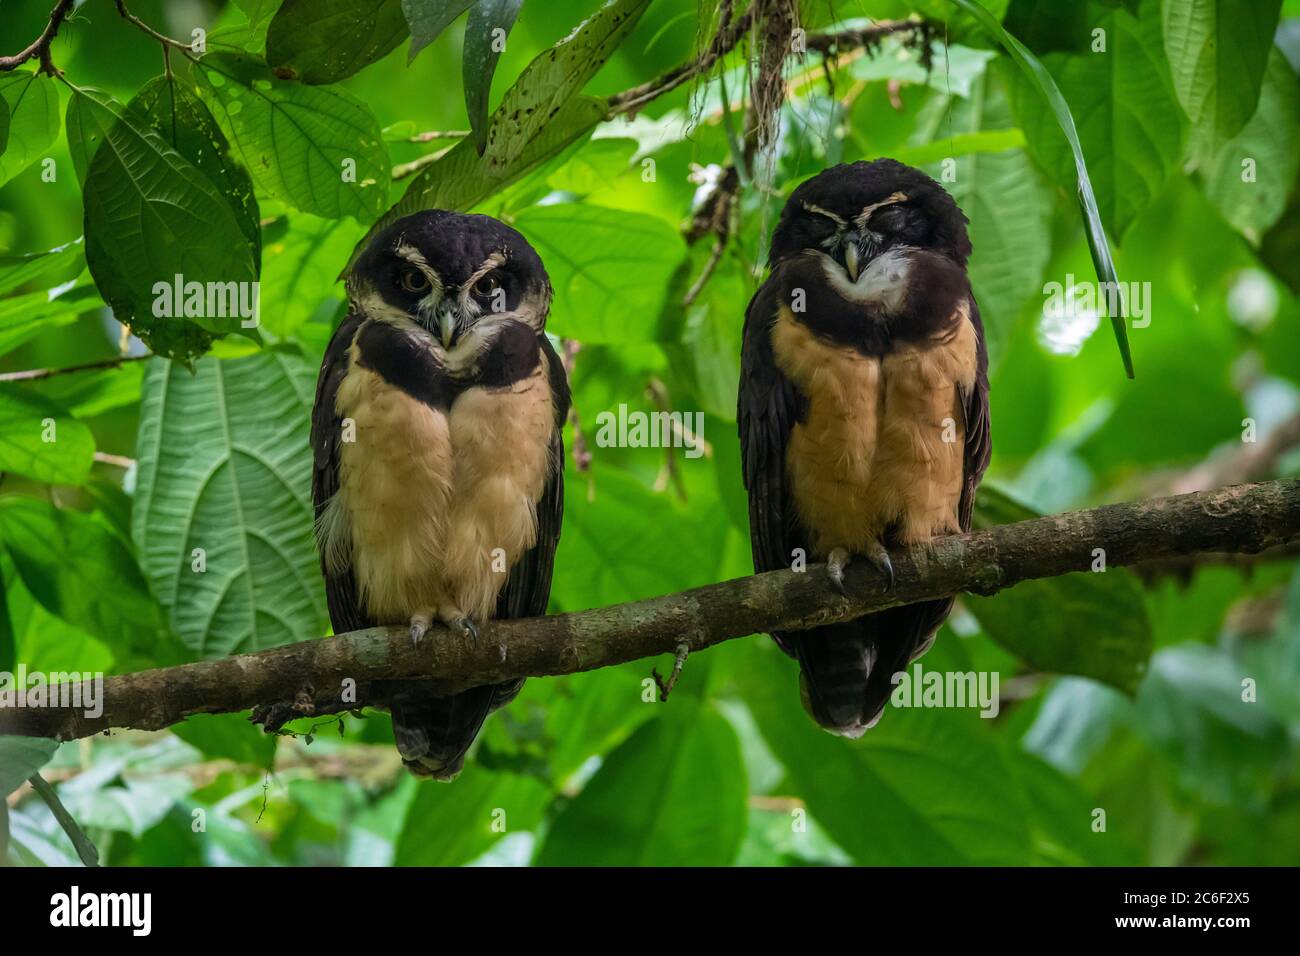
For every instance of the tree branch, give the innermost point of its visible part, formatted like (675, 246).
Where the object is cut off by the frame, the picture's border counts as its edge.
(40, 47)
(310, 678)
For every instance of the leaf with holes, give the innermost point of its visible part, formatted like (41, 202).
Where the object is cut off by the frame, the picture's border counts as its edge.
(318, 149)
(223, 516)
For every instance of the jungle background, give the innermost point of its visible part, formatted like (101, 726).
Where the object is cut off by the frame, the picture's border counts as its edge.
(1122, 691)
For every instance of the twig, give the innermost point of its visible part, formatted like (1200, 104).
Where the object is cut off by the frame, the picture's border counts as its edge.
(679, 661)
(40, 47)
(402, 170)
(36, 374)
(430, 135)
(160, 37)
(382, 667)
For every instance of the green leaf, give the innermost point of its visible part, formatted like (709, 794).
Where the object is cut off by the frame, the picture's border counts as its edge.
(610, 269)
(1250, 177)
(1008, 209)
(4, 124)
(673, 794)
(324, 41)
(65, 260)
(479, 62)
(224, 466)
(82, 572)
(428, 18)
(1061, 819)
(538, 117)
(1050, 97)
(1217, 53)
(450, 825)
(23, 317)
(33, 105)
(151, 216)
(181, 119)
(1094, 624)
(924, 787)
(41, 440)
(20, 757)
(228, 737)
(318, 149)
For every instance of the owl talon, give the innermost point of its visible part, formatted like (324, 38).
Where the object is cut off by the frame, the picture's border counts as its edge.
(420, 622)
(836, 562)
(464, 627)
(879, 557)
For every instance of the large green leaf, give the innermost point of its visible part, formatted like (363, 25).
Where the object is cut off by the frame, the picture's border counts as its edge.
(485, 32)
(673, 794)
(1251, 176)
(924, 787)
(610, 269)
(41, 440)
(428, 18)
(82, 572)
(4, 124)
(1093, 624)
(324, 41)
(1049, 98)
(1217, 53)
(1008, 209)
(539, 116)
(181, 119)
(151, 216)
(20, 757)
(1130, 126)
(33, 105)
(450, 825)
(224, 466)
(318, 149)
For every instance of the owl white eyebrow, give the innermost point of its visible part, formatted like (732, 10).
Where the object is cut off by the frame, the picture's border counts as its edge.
(416, 258)
(862, 218)
(824, 212)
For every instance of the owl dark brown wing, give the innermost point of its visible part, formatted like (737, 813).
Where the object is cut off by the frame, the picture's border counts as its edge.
(768, 408)
(528, 586)
(345, 609)
(975, 405)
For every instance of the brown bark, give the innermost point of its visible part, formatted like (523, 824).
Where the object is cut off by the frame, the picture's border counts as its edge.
(309, 677)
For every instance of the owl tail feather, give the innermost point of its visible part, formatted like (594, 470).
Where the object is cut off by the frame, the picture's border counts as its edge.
(846, 669)
(434, 734)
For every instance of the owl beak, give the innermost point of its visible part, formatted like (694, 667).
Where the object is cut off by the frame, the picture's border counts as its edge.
(851, 259)
(447, 326)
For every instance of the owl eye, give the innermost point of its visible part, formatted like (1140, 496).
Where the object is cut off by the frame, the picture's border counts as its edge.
(413, 280)
(486, 285)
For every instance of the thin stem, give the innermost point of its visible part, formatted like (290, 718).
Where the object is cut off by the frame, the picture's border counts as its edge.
(36, 374)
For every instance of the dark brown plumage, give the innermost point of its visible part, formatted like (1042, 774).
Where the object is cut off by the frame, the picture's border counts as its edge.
(863, 409)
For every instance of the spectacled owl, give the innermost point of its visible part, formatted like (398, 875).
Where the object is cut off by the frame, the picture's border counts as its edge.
(863, 410)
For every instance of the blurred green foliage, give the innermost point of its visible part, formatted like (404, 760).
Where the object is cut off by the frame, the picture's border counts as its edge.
(1123, 695)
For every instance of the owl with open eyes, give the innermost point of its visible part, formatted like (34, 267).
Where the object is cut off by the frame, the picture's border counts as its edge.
(863, 411)
(438, 482)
